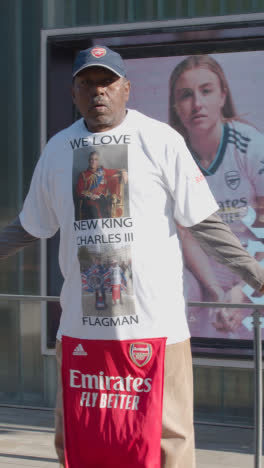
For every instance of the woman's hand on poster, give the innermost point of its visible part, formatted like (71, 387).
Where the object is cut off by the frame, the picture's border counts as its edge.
(217, 315)
(215, 293)
(259, 220)
(229, 320)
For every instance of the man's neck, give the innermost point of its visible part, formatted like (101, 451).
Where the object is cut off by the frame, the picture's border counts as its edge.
(101, 127)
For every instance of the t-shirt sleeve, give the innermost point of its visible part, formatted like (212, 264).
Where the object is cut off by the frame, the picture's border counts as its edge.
(37, 216)
(193, 200)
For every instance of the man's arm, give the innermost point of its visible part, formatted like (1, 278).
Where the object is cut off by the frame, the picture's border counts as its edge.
(197, 262)
(14, 238)
(216, 239)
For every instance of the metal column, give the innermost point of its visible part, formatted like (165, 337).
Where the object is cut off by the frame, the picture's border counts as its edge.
(258, 389)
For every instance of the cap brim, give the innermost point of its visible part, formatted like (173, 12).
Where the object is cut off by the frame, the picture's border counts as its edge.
(96, 64)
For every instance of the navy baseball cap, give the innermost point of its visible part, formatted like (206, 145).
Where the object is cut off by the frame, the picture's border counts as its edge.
(99, 56)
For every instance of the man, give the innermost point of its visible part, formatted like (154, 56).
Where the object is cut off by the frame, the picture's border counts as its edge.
(115, 274)
(112, 369)
(99, 190)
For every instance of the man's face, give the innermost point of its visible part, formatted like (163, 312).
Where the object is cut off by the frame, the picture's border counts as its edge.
(100, 96)
(93, 161)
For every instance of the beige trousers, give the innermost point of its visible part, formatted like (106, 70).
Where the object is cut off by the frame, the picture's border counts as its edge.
(177, 443)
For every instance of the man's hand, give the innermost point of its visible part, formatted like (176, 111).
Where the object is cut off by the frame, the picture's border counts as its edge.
(13, 238)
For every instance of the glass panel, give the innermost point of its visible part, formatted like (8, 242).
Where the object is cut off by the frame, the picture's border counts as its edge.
(10, 382)
(259, 4)
(21, 370)
(224, 394)
(233, 7)
(30, 358)
(59, 13)
(247, 6)
(87, 12)
(172, 9)
(10, 197)
(19, 93)
(115, 11)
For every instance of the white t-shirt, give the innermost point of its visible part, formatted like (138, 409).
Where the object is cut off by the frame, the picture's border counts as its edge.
(104, 220)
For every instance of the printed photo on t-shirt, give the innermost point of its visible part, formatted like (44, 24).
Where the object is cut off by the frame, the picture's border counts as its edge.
(100, 182)
(107, 282)
(104, 230)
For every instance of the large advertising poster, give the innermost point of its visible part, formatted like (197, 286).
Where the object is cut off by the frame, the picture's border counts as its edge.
(216, 102)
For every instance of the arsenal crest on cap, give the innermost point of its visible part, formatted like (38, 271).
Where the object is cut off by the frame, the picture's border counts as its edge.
(98, 52)
(140, 353)
(99, 56)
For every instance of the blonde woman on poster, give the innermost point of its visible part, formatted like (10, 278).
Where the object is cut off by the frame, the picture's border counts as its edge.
(230, 153)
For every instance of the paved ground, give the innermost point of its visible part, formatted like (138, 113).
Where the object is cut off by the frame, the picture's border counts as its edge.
(26, 440)
(218, 447)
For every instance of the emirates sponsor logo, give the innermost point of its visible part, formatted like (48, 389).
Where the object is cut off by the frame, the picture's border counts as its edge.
(79, 351)
(140, 353)
(109, 391)
(109, 382)
(98, 52)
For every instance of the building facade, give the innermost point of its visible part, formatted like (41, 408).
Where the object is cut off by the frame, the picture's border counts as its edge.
(223, 384)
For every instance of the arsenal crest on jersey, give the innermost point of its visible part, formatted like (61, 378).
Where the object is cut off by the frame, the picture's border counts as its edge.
(140, 353)
(232, 179)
